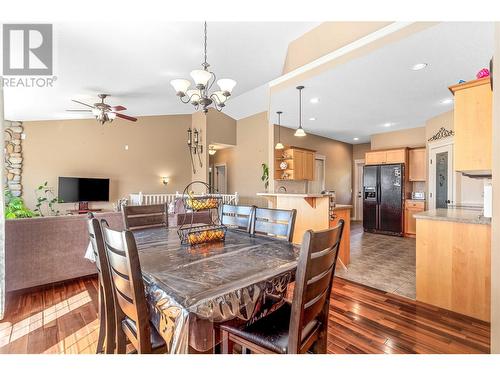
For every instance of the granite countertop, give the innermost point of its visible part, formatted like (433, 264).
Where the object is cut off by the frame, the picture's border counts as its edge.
(298, 195)
(460, 215)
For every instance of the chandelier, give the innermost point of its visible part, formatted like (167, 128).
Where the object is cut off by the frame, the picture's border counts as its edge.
(200, 96)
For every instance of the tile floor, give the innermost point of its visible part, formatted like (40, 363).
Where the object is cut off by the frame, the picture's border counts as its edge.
(382, 262)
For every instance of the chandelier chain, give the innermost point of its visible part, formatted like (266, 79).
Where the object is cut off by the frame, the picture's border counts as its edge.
(206, 64)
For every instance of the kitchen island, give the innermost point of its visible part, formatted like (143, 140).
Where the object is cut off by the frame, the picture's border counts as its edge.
(453, 249)
(314, 212)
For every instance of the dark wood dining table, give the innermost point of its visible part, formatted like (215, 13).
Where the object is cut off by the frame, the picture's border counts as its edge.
(192, 288)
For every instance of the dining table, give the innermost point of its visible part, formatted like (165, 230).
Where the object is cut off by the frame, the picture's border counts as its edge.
(190, 289)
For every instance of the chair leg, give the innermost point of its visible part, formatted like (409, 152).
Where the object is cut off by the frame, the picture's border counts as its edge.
(227, 344)
(102, 323)
(121, 342)
(320, 346)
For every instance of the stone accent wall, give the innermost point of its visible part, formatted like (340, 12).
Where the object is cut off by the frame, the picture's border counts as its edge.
(13, 152)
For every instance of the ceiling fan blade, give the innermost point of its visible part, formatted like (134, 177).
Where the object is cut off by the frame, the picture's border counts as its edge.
(118, 108)
(82, 103)
(78, 110)
(125, 117)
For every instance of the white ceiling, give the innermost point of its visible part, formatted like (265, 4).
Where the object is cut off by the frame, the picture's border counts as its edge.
(134, 62)
(358, 97)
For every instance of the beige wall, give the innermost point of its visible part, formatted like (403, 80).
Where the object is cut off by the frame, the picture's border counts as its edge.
(221, 128)
(359, 150)
(338, 166)
(85, 148)
(433, 125)
(200, 171)
(495, 224)
(325, 38)
(244, 161)
(414, 137)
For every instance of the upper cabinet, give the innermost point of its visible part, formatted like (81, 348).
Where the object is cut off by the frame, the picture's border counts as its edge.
(294, 163)
(417, 164)
(473, 125)
(396, 156)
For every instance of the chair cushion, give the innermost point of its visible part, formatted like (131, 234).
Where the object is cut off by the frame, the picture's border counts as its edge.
(270, 332)
(156, 340)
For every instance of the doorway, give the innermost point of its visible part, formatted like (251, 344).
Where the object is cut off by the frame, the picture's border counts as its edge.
(358, 189)
(441, 175)
(221, 178)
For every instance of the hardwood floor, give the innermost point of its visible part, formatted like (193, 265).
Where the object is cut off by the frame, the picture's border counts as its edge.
(63, 319)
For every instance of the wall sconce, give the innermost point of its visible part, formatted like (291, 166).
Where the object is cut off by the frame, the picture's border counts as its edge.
(211, 150)
(165, 180)
(194, 146)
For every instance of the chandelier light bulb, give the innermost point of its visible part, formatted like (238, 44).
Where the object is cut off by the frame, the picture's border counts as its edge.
(226, 85)
(201, 77)
(180, 86)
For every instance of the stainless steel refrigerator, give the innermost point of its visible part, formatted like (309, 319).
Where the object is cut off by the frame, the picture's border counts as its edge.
(383, 189)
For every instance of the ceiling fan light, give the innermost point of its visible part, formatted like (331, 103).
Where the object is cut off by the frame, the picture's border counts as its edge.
(279, 146)
(111, 116)
(96, 111)
(180, 86)
(300, 132)
(226, 85)
(201, 77)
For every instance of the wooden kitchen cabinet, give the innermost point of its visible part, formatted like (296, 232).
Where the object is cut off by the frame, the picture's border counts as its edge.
(473, 125)
(300, 164)
(396, 156)
(375, 157)
(417, 164)
(411, 208)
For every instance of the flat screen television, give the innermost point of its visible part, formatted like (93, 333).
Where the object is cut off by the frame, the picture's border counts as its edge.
(76, 189)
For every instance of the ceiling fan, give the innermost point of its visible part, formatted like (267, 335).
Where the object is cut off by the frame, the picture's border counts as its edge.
(103, 112)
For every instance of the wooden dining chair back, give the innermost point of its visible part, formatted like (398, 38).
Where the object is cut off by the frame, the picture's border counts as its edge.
(274, 222)
(313, 285)
(239, 217)
(132, 312)
(147, 216)
(107, 324)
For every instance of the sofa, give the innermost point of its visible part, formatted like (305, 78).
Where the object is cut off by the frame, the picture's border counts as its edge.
(45, 250)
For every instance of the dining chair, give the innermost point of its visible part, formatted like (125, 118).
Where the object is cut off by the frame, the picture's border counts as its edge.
(239, 217)
(106, 339)
(274, 222)
(147, 216)
(301, 326)
(131, 309)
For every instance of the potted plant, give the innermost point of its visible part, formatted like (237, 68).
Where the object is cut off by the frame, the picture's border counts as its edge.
(265, 175)
(46, 199)
(15, 207)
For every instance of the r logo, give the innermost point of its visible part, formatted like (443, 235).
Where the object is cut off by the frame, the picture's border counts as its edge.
(27, 49)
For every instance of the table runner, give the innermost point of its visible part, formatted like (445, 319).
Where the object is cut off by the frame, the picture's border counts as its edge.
(191, 288)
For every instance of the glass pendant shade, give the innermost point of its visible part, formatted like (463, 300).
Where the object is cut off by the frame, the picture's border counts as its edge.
(201, 77)
(279, 146)
(226, 84)
(111, 115)
(221, 98)
(300, 132)
(212, 151)
(96, 111)
(180, 85)
(194, 95)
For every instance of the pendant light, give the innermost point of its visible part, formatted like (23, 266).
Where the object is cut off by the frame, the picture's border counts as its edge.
(300, 132)
(279, 145)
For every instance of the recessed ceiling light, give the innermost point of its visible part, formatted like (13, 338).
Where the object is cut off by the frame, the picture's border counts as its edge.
(355, 139)
(447, 101)
(419, 66)
(314, 100)
(312, 118)
(387, 124)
